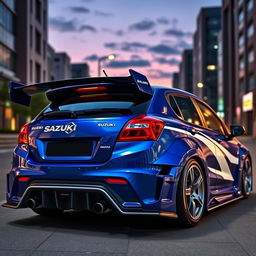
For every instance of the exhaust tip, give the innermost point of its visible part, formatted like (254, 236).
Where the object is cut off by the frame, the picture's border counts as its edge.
(32, 203)
(99, 208)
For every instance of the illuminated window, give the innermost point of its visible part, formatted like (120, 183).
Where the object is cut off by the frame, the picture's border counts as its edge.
(251, 56)
(241, 40)
(211, 67)
(241, 17)
(249, 5)
(241, 64)
(250, 30)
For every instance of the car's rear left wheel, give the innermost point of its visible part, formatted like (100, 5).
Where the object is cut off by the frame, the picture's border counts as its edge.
(191, 194)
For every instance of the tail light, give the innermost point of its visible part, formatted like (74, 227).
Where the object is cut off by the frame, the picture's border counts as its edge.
(142, 128)
(116, 180)
(23, 135)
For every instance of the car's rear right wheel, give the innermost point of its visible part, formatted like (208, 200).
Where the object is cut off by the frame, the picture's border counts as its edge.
(246, 180)
(191, 194)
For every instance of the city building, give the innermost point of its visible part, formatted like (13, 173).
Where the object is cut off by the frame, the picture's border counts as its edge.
(239, 63)
(62, 66)
(51, 63)
(32, 38)
(80, 70)
(205, 57)
(175, 80)
(7, 61)
(186, 71)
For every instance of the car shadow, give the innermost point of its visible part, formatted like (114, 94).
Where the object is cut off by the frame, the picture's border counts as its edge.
(140, 226)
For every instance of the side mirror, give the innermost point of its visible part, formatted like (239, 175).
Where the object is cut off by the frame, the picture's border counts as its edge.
(236, 130)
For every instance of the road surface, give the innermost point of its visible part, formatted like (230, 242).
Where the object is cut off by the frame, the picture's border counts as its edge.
(230, 230)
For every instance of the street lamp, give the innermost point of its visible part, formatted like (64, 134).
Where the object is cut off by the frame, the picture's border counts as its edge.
(100, 59)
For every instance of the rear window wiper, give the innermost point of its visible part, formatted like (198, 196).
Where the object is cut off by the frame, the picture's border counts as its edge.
(57, 114)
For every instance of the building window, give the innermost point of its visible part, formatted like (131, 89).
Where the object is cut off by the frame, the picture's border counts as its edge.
(250, 30)
(251, 56)
(241, 40)
(38, 42)
(213, 22)
(31, 36)
(38, 10)
(250, 82)
(249, 5)
(7, 58)
(38, 73)
(31, 6)
(31, 71)
(241, 64)
(241, 85)
(241, 17)
(6, 18)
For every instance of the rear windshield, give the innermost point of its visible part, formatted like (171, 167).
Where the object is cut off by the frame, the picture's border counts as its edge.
(96, 109)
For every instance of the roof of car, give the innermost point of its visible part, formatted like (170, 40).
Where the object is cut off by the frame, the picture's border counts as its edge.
(174, 90)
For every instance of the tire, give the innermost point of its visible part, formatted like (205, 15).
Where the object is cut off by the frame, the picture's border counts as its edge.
(191, 194)
(47, 212)
(246, 178)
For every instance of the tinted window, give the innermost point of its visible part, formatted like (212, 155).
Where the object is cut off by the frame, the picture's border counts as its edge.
(174, 106)
(102, 108)
(188, 110)
(212, 121)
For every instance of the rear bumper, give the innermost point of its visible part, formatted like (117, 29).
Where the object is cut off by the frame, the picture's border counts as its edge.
(78, 197)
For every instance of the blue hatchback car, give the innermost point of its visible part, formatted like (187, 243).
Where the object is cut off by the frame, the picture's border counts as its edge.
(116, 143)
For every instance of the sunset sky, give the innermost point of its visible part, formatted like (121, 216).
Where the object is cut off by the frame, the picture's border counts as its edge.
(146, 35)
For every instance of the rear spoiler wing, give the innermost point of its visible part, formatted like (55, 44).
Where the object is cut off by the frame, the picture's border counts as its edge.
(21, 94)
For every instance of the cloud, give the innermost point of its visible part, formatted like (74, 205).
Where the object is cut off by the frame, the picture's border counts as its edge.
(177, 33)
(111, 45)
(62, 25)
(164, 49)
(120, 32)
(158, 74)
(92, 57)
(129, 63)
(79, 9)
(163, 21)
(171, 62)
(143, 25)
(87, 28)
(184, 44)
(153, 33)
(126, 46)
(103, 14)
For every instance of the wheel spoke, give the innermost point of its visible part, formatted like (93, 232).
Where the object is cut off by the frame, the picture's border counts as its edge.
(198, 199)
(193, 208)
(192, 175)
(198, 182)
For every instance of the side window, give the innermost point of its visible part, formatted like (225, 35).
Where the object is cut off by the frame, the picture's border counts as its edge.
(174, 106)
(212, 121)
(188, 110)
